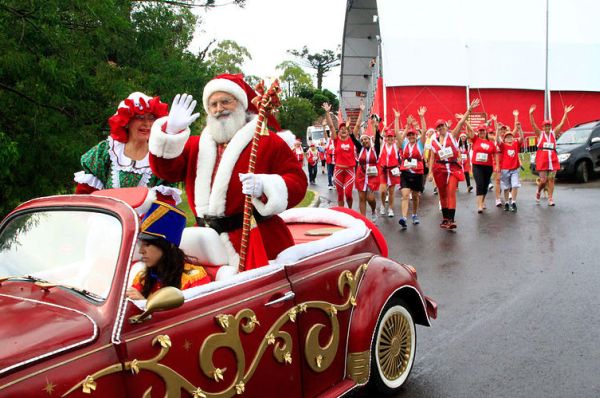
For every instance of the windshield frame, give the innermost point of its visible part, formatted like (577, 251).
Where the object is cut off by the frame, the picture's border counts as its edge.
(75, 290)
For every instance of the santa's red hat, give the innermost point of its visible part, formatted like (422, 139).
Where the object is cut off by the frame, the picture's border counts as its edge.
(231, 84)
(235, 85)
(135, 104)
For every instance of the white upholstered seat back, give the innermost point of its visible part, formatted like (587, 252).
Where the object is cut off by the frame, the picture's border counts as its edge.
(204, 244)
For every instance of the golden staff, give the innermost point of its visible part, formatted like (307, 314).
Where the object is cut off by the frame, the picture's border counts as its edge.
(269, 100)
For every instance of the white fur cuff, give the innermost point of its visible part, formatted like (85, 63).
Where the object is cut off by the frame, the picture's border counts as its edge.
(276, 192)
(82, 177)
(163, 145)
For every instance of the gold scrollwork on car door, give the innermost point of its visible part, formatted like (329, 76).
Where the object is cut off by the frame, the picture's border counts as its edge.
(318, 357)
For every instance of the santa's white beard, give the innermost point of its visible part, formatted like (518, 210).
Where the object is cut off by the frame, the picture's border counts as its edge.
(223, 128)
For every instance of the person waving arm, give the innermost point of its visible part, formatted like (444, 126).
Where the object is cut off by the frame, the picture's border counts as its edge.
(558, 128)
(460, 123)
(327, 108)
(534, 126)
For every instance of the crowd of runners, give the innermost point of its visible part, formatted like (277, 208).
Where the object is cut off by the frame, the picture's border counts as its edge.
(379, 160)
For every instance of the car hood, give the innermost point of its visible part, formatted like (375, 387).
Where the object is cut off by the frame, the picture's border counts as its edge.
(565, 148)
(33, 329)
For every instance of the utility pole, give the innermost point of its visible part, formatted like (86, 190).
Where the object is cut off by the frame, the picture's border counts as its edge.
(546, 90)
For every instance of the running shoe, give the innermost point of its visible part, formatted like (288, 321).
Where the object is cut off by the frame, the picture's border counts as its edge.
(451, 224)
(415, 219)
(382, 210)
(444, 224)
(513, 207)
(469, 189)
(537, 197)
(390, 213)
(506, 207)
(490, 187)
(498, 203)
(551, 202)
(374, 216)
(331, 187)
(435, 192)
(402, 222)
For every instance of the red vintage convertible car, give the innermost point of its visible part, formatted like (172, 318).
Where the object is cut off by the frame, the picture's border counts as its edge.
(330, 314)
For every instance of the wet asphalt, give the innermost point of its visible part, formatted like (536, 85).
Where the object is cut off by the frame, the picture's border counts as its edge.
(518, 294)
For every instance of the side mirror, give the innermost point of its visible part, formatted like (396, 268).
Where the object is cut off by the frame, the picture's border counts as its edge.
(595, 140)
(163, 299)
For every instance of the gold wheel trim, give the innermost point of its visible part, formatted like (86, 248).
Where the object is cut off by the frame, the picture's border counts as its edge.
(395, 344)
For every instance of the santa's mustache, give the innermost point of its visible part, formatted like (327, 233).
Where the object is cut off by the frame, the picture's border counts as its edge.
(218, 115)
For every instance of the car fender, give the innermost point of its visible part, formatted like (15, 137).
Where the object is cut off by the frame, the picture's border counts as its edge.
(383, 280)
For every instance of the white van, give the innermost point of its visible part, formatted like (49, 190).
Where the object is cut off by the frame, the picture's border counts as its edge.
(315, 133)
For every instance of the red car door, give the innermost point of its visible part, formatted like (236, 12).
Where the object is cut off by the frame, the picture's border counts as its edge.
(236, 339)
(325, 293)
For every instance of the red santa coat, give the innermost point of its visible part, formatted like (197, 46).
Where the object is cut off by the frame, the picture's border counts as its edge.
(180, 157)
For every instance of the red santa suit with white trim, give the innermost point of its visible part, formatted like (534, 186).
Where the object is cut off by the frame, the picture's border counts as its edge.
(211, 171)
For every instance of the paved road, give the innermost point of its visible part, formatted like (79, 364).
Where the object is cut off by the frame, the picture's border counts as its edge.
(518, 295)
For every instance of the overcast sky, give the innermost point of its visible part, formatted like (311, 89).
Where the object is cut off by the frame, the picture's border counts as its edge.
(474, 35)
(268, 28)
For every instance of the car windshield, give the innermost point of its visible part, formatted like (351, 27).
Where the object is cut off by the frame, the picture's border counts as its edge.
(574, 136)
(75, 248)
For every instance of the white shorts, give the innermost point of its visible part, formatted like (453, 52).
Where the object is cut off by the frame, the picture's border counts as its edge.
(509, 179)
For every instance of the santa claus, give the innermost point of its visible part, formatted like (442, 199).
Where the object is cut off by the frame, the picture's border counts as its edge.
(214, 165)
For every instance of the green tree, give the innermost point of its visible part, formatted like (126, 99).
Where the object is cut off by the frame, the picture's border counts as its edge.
(64, 67)
(321, 62)
(293, 77)
(317, 97)
(228, 57)
(296, 114)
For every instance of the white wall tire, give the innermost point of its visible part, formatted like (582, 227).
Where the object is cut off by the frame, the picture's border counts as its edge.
(393, 350)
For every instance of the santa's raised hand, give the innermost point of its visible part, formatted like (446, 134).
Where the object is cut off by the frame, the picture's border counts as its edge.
(181, 115)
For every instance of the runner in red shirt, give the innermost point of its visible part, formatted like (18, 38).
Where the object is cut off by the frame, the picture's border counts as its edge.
(345, 158)
(367, 170)
(445, 166)
(312, 158)
(321, 149)
(510, 164)
(484, 156)
(411, 165)
(330, 160)
(298, 152)
(390, 172)
(464, 147)
(546, 159)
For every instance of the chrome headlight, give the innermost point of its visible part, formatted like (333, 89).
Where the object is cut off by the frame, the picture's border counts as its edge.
(563, 157)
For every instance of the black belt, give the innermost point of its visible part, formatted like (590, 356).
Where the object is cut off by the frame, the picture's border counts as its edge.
(227, 223)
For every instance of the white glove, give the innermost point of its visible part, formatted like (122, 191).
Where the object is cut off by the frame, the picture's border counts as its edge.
(180, 115)
(251, 184)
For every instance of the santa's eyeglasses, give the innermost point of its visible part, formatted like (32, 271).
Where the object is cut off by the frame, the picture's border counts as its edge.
(224, 103)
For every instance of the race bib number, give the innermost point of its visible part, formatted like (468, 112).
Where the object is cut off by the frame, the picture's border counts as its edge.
(410, 164)
(463, 156)
(445, 153)
(548, 145)
(371, 171)
(481, 157)
(395, 172)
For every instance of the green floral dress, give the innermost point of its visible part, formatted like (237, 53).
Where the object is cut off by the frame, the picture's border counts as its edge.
(106, 166)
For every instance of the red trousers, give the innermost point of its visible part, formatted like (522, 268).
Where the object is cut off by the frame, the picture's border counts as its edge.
(447, 184)
(343, 179)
